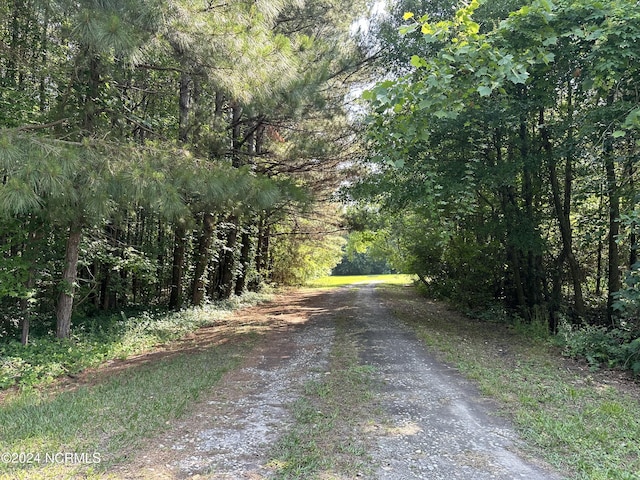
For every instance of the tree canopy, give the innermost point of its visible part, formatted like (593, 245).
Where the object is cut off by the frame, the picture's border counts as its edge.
(503, 154)
(167, 153)
(157, 152)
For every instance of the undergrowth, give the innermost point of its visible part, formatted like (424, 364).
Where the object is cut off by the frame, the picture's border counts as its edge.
(98, 339)
(601, 346)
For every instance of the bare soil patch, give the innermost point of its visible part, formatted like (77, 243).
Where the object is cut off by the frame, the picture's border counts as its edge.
(260, 320)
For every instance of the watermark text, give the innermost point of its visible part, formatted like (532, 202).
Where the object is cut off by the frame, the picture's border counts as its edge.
(58, 458)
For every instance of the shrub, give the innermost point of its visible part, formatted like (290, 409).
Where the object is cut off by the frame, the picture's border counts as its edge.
(101, 338)
(601, 346)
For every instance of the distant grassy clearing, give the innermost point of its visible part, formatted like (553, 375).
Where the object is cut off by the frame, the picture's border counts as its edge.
(338, 281)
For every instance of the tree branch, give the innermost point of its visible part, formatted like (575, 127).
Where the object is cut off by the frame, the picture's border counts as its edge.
(146, 66)
(24, 128)
(323, 232)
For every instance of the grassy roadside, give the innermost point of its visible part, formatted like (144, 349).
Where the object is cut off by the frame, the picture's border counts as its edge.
(51, 433)
(574, 420)
(327, 439)
(96, 340)
(111, 418)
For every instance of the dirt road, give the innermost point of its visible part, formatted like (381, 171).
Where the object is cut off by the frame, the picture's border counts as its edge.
(429, 422)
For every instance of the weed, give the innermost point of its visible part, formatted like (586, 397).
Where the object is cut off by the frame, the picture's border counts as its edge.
(600, 346)
(97, 340)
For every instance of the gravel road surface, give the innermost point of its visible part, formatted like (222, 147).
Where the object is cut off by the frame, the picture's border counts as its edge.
(433, 423)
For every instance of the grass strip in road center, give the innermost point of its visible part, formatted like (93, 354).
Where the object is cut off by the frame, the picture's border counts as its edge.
(326, 440)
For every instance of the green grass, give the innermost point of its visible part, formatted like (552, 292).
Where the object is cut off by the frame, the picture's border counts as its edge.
(122, 410)
(113, 417)
(327, 439)
(96, 340)
(573, 419)
(338, 281)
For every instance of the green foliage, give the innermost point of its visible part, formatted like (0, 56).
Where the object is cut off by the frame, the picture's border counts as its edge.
(13, 275)
(627, 299)
(537, 328)
(491, 142)
(299, 260)
(365, 252)
(601, 346)
(153, 130)
(102, 338)
(307, 248)
(466, 273)
(360, 264)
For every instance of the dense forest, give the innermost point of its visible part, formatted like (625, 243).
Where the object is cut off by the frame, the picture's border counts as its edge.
(502, 152)
(168, 153)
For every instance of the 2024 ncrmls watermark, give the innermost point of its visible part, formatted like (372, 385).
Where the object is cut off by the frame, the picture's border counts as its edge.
(59, 458)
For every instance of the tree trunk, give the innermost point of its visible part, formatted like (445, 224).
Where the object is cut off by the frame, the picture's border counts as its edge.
(26, 308)
(184, 106)
(44, 44)
(11, 70)
(90, 105)
(94, 294)
(68, 284)
(262, 249)
(614, 283)
(633, 238)
(563, 216)
(160, 284)
(202, 259)
(104, 287)
(241, 281)
(514, 260)
(511, 213)
(556, 293)
(534, 265)
(227, 264)
(179, 248)
(26, 321)
(598, 290)
(236, 112)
